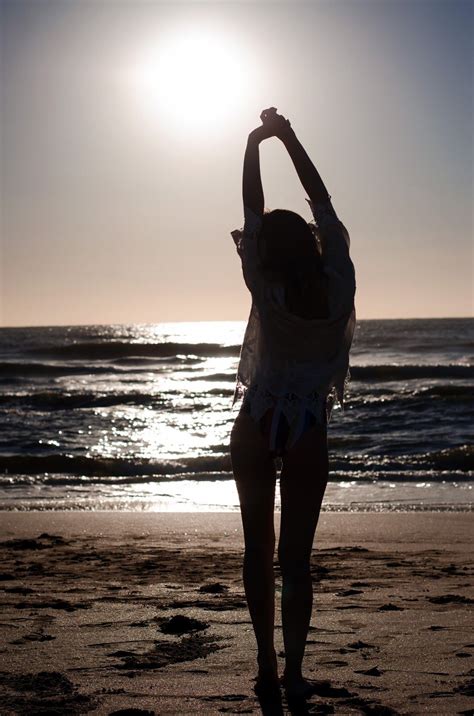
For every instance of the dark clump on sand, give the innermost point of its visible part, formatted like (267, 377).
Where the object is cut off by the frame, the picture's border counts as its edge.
(451, 599)
(180, 624)
(47, 693)
(215, 588)
(164, 653)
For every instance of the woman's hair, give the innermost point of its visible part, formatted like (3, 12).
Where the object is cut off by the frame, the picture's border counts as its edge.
(290, 252)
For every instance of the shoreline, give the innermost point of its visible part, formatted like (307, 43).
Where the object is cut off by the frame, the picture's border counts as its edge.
(115, 610)
(206, 496)
(345, 528)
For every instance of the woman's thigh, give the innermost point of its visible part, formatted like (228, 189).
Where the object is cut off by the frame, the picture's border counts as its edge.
(303, 482)
(255, 476)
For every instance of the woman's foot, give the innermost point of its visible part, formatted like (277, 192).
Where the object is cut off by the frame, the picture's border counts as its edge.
(267, 681)
(267, 686)
(297, 686)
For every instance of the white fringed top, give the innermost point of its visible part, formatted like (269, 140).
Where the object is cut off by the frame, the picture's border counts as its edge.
(283, 355)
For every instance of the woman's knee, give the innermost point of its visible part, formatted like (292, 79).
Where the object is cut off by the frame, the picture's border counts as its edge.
(260, 553)
(303, 481)
(294, 567)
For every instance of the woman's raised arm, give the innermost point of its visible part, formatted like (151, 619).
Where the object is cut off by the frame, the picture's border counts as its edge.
(252, 189)
(307, 172)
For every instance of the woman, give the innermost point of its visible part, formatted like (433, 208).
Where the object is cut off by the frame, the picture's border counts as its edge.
(293, 365)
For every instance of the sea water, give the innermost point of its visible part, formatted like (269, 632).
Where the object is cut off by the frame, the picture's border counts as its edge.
(139, 416)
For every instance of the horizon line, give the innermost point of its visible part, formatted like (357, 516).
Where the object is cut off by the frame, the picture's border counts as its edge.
(234, 320)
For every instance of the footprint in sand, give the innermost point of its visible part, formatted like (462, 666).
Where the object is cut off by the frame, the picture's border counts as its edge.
(226, 697)
(44, 692)
(466, 689)
(163, 653)
(34, 636)
(54, 604)
(132, 712)
(450, 599)
(43, 541)
(19, 590)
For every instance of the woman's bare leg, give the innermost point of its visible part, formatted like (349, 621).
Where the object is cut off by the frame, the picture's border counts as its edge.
(255, 476)
(302, 483)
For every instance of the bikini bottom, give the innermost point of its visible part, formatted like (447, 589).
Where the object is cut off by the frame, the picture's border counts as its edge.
(281, 434)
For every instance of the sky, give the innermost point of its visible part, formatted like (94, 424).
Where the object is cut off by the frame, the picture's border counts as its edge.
(122, 132)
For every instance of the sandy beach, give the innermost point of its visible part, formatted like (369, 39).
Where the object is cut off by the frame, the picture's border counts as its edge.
(140, 613)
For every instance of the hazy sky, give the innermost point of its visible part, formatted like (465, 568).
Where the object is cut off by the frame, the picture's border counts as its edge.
(123, 126)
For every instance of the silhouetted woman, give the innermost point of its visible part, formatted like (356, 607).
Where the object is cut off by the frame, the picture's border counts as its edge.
(293, 365)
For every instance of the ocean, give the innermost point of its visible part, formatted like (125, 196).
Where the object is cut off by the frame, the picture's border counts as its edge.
(138, 417)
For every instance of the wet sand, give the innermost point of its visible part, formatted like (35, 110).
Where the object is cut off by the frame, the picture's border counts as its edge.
(136, 613)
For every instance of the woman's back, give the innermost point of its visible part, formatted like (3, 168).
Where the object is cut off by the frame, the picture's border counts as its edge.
(306, 296)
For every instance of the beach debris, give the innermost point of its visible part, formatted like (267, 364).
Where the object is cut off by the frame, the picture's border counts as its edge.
(215, 588)
(56, 539)
(374, 671)
(181, 624)
(360, 645)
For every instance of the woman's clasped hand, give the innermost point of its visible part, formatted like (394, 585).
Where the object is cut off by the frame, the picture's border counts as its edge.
(273, 125)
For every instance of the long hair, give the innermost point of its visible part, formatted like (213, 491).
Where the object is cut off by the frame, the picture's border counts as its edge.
(290, 253)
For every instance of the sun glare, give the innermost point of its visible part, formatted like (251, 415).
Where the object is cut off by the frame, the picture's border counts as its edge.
(194, 78)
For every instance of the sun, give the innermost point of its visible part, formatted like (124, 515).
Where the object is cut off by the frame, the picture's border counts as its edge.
(194, 78)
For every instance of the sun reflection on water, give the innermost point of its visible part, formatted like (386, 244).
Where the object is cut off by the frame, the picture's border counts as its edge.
(160, 435)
